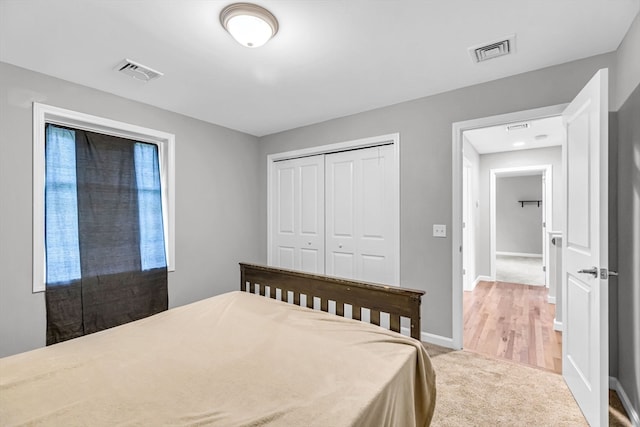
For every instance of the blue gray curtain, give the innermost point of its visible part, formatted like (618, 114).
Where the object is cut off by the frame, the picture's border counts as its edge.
(104, 238)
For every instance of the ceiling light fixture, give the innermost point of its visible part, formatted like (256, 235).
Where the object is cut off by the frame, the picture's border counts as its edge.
(518, 143)
(251, 25)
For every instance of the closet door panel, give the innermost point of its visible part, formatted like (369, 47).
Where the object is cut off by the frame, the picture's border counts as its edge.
(375, 238)
(311, 200)
(309, 261)
(298, 234)
(335, 214)
(286, 202)
(285, 257)
(360, 220)
(339, 198)
(343, 264)
(342, 199)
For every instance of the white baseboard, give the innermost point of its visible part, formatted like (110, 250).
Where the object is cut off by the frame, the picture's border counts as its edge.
(437, 340)
(473, 285)
(557, 326)
(614, 384)
(551, 300)
(482, 279)
(431, 338)
(522, 254)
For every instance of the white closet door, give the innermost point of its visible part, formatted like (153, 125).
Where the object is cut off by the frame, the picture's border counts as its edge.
(298, 214)
(360, 219)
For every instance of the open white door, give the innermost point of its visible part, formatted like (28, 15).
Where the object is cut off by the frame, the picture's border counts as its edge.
(585, 349)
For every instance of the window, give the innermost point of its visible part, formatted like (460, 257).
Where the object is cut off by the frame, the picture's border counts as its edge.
(154, 159)
(61, 199)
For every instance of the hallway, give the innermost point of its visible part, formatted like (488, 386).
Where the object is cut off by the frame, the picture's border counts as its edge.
(514, 322)
(522, 270)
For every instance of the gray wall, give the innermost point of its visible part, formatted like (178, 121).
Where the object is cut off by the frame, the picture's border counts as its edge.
(613, 243)
(628, 262)
(519, 227)
(221, 202)
(628, 214)
(627, 72)
(425, 127)
(510, 159)
(217, 197)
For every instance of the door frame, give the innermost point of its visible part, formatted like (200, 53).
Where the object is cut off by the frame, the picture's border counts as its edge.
(374, 141)
(456, 218)
(547, 205)
(466, 228)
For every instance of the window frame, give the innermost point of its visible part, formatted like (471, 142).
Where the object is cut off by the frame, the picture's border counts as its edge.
(43, 114)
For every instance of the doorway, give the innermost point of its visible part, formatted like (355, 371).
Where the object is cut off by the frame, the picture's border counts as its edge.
(480, 230)
(521, 212)
(519, 229)
(507, 311)
(585, 222)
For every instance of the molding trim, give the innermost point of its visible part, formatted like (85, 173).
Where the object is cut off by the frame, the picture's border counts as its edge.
(438, 340)
(520, 254)
(43, 114)
(431, 338)
(478, 280)
(473, 285)
(614, 384)
(557, 326)
(551, 299)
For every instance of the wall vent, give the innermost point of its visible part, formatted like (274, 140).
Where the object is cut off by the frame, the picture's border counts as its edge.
(518, 126)
(138, 71)
(493, 49)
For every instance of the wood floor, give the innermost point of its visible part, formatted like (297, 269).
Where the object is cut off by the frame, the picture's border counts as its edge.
(514, 322)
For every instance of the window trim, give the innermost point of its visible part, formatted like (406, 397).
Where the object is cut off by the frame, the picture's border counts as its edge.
(43, 114)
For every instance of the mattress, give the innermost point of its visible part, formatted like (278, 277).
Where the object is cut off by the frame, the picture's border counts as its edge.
(236, 359)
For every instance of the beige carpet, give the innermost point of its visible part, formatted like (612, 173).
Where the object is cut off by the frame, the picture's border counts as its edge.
(473, 390)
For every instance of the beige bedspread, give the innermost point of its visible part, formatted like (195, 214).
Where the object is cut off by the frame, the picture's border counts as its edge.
(233, 360)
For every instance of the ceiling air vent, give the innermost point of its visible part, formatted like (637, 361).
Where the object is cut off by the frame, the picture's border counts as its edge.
(518, 126)
(493, 49)
(138, 71)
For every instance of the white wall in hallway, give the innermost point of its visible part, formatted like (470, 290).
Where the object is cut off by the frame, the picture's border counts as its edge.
(512, 159)
(519, 227)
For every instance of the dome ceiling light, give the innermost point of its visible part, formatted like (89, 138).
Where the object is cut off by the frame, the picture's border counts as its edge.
(251, 25)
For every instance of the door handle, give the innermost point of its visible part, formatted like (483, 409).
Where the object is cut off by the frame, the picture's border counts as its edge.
(593, 271)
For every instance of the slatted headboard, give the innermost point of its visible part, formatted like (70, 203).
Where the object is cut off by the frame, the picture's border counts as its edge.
(397, 302)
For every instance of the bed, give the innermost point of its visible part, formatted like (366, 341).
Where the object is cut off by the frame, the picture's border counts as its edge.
(246, 358)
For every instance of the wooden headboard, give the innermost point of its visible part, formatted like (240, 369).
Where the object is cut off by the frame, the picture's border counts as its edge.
(397, 302)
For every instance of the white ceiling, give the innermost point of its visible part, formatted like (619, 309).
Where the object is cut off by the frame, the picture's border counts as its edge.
(330, 58)
(495, 139)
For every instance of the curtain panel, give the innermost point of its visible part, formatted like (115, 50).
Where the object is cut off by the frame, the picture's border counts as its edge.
(104, 239)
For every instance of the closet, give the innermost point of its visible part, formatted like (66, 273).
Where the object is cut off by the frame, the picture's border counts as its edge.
(336, 214)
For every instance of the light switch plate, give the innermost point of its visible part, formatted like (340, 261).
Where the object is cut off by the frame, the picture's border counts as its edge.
(439, 230)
